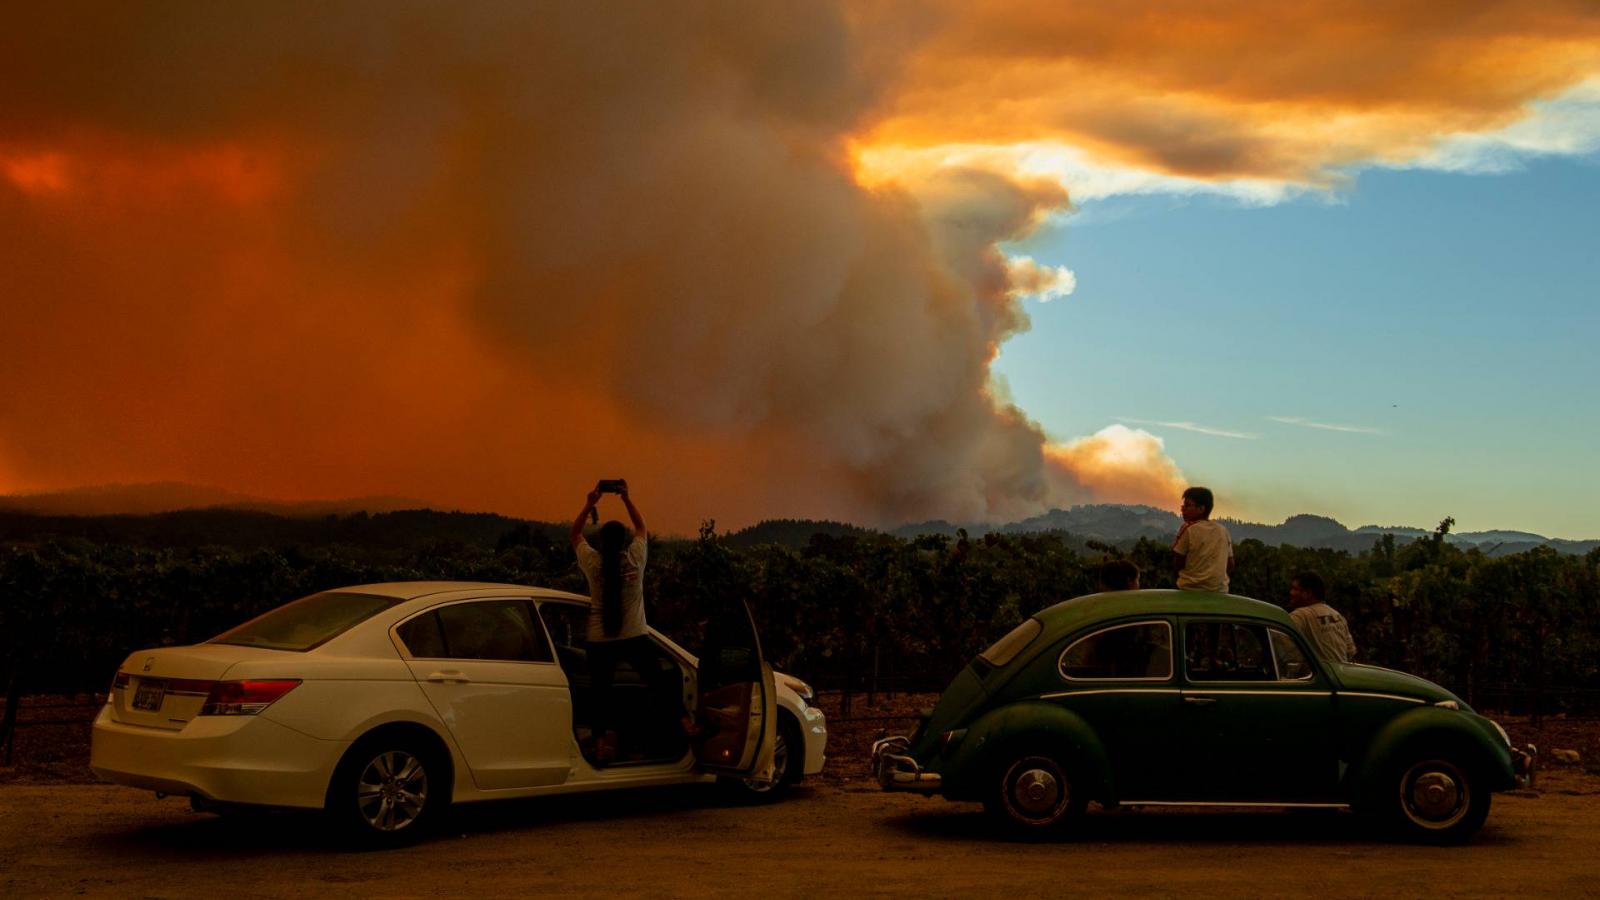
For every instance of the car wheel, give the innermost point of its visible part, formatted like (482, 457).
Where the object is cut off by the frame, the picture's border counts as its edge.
(1034, 793)
(1436, 800)
(788, 764)
(388, 791)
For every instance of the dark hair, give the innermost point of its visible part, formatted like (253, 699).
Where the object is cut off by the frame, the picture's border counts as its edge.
(1201, 496)
(614, 539)
(1118, 575)
(1313, 584)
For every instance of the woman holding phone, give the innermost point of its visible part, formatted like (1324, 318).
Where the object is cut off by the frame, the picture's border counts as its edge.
(616, 629)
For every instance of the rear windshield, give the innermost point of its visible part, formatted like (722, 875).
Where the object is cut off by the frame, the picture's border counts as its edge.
(1007, 648)
(307, 622)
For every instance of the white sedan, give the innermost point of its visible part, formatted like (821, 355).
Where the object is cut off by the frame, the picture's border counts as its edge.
(382, 704)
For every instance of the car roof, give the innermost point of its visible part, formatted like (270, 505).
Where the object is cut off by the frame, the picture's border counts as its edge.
(412, 590)
(1069, 614)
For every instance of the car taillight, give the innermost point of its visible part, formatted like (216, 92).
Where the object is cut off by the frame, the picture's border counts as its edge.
(245, 698)
(119, 681)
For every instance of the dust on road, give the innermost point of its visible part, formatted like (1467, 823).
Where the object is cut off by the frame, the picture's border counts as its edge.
(831, 838)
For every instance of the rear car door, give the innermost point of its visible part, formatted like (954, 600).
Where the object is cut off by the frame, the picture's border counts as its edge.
(487, 667)
(1257, 722)
(736, 701)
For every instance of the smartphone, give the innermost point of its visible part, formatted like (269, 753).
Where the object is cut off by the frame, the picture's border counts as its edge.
(612, 485)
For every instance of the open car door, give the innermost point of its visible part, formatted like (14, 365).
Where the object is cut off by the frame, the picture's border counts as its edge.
(736, 704)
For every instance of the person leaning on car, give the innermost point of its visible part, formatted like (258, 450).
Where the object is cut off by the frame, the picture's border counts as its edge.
(1322, 625)
(1119, 575)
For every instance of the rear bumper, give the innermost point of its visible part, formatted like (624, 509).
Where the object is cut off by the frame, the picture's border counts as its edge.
(231, 759)
(896, 770)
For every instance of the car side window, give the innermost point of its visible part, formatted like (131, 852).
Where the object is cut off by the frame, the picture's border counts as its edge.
(486, 629)
(423, 637)
(568, 624)
(1227, 651)
(1292, 664)
(1140, 651)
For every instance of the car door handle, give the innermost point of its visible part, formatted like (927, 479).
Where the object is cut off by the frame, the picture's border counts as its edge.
(1200, 701)
(448, 677)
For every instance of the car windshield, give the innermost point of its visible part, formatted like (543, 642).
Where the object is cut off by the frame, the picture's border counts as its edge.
(307, 622)
(1007, 648)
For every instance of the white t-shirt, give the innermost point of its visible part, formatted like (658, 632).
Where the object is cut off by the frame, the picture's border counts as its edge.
(632, 590)
(1206, 549)
(1327, 631)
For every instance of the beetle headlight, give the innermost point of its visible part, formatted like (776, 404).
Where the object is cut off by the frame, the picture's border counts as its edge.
(1503, 736)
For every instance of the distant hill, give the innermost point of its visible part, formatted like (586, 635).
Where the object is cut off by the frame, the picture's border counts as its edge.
(792, 532)
(1113, 523)
(177, 514)
(171, 496)
(248, 529)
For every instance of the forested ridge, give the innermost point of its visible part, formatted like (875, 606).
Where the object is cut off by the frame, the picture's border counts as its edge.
(847, 606)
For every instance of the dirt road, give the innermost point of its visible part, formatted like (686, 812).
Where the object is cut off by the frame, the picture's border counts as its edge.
(831, 839)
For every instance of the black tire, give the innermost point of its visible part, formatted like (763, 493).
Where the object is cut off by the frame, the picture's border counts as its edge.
(1433, 798)
(388, 791)
(788, 767)
(1034, 793)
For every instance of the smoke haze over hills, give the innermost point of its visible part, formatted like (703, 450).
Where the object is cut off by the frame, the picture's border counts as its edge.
(486, 253)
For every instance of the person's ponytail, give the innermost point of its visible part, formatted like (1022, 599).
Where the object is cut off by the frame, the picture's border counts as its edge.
(614, 541)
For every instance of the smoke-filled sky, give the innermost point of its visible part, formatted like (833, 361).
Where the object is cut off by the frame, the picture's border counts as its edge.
(761, 259)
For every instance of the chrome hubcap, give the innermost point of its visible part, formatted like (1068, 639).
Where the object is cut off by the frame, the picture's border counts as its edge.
(1434, 794)
(1037, 788)
(392, 790)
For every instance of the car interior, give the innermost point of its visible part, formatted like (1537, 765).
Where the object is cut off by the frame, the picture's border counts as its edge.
(648, 727)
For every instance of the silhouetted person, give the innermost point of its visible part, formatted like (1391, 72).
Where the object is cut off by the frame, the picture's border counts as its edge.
(616, 629)
(1322, 625)
(1203, 552)
(1119, 575)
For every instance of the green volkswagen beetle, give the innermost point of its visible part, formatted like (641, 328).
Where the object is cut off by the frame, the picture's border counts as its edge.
(1185, 698)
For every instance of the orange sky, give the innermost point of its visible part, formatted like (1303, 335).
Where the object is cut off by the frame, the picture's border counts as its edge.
(484, 256)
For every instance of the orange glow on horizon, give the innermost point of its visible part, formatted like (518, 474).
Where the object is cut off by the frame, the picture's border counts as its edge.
(753, 263)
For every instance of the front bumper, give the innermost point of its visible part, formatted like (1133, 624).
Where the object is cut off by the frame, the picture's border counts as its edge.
(231, 759)
(1525, 763)
(814, 726)
(896, 770)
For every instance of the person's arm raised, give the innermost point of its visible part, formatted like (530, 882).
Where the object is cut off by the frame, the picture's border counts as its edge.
(633, 513)
(577, 524)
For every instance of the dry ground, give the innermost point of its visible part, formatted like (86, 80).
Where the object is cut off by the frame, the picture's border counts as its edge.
(826, 840)
(838, 835)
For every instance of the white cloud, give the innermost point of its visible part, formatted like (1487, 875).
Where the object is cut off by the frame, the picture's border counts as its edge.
(1029, 279)
(1568, 125)
(1325, 426)
(1195, 427)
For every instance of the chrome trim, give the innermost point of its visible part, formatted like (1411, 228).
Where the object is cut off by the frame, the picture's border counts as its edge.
(1171, 662)
(188, 693)
(1253, 804)
(1525, 764)
(1058, 694)
(1380, 696)
(1286, 692)
(897, 771)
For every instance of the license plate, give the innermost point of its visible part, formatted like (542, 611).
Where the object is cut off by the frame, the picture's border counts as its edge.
(149, 694)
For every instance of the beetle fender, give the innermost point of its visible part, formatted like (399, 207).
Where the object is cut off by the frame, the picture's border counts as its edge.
(1030, 725)
(1431, 730)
